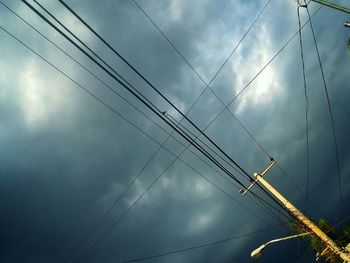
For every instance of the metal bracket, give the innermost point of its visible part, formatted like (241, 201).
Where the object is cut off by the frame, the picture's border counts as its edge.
(243, 192)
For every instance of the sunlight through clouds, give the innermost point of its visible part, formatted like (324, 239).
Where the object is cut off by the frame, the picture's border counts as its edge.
(38, 99)
(267, 85)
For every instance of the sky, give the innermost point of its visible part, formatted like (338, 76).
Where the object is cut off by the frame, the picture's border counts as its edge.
(66, 158)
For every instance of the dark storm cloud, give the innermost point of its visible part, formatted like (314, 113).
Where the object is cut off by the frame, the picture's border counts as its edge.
(65, 159)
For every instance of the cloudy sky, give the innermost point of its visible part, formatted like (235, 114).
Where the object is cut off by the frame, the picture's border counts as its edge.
(66, 158)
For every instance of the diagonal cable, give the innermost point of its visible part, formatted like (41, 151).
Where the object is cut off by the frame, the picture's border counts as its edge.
(57, 46)
(208, 85)
(199, 246)
(307, 102)
(121, 116)
(248, 176)
(155, 89)
(331, 115)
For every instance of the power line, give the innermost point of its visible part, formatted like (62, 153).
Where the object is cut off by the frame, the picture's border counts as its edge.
(264, 67)
(156, 111)
(115, 224)
(150, 186)
(330, 113)
(248, 177)
(197, 73)
(105, 84)
(115, 203)
(96, 77)
(226, 106)
(208, 85)
(307, 102)
(138, 95)
(130, 104)
(121, 116)
(185, 136)
(258, 198)
(228, 58)
(199, 246)
(193, 69)
(186, 61)
(89, 71)
(120, 82)
(204, 135)
(154, 88)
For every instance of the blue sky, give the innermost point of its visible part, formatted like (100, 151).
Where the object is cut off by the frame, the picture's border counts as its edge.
(66, 158)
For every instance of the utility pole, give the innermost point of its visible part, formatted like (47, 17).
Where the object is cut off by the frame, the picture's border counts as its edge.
(308, 225)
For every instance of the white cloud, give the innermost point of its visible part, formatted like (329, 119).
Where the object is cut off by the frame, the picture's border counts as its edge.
(39, 99)
(268, 84)
(203, 220)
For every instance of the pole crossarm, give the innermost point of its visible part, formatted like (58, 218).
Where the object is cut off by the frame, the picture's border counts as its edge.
(306, 222)
(332, 5)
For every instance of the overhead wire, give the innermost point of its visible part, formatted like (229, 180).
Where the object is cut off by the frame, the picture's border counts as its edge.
(198, 246)
(207, 85)
(105, 84)
(331, 115)
(187, 62)
(307, 103)
(141, 112)
(126, 211)
(78, 64)
(187, 138)
(117, 113)
(133, 91)
(213, 92)
(89, 71)
(153, 109)
(264, 203)
(251, 81)
(61, 1)
(248, 177)
(263, 68)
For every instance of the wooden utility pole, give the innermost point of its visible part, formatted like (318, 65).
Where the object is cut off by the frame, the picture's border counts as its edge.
(307, 224)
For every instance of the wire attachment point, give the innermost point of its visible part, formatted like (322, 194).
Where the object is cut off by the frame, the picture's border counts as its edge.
(243, 192)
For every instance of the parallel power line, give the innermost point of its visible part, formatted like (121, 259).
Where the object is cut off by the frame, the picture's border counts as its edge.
(130, 88)
(152, 107)
(216, 74)
(155, 89)
(121, 116)
(96, 77)
(247, 176)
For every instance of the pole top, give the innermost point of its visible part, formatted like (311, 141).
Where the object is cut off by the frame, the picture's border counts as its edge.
(243, 192)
